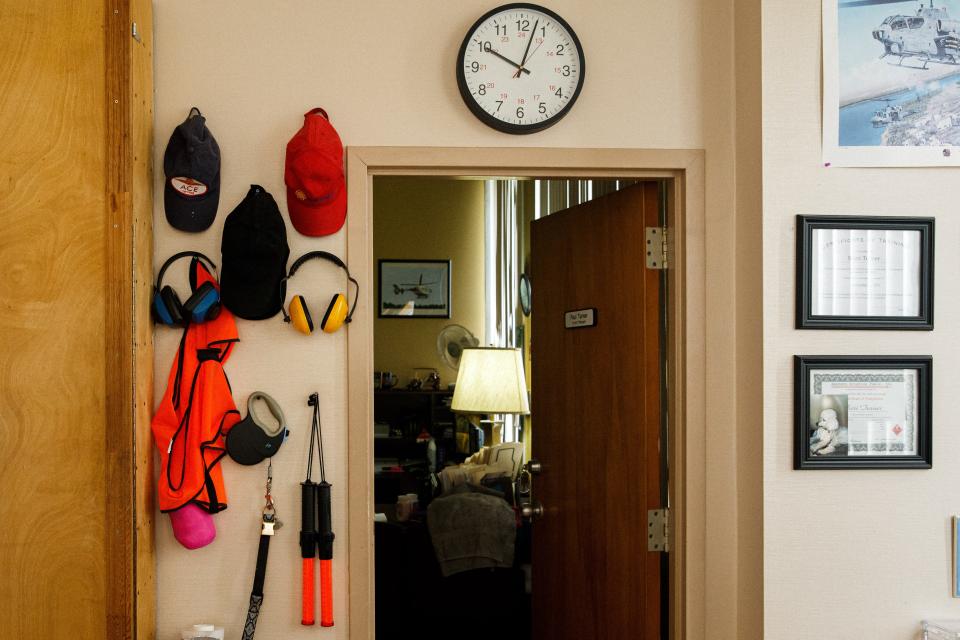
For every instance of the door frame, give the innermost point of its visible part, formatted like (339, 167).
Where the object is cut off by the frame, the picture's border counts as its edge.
(128, 270)
(683, 169)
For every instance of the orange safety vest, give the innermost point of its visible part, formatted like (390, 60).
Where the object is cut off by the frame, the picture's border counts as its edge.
(196, 413)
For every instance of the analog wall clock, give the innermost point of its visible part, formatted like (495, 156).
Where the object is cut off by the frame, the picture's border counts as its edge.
(520, 68)
(525, 294)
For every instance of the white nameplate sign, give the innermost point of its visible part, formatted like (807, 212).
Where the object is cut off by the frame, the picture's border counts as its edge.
(580, 318)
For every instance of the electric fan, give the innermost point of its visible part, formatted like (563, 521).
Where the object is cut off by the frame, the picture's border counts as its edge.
(451, 342)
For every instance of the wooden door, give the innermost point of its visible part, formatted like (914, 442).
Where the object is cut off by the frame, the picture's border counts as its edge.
(75, 120)
(597, 420)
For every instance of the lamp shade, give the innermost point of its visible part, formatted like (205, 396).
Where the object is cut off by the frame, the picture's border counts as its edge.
(491, 380)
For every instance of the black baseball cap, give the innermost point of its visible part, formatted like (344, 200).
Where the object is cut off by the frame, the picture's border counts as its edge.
(191, 167)
(255, 252)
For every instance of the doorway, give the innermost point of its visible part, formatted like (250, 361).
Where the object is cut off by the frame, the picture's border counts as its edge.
(597, 388)
(684, 205)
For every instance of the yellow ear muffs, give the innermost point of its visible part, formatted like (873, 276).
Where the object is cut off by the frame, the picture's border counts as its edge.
(336, 313)
(300, 315)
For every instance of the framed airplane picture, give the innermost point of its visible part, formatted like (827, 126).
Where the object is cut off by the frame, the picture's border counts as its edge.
(414, 289)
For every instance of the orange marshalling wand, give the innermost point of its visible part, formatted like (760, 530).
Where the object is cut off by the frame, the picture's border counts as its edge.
(315, 502)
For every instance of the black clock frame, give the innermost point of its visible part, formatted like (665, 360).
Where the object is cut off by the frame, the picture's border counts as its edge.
(500, 125)
(525, 291)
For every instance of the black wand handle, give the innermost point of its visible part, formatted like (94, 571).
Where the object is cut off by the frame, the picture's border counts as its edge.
(308, 519)
(325, 533)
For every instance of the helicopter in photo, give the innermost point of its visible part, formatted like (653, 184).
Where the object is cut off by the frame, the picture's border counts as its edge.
(929, 35)
(420, 289)
(886, 115)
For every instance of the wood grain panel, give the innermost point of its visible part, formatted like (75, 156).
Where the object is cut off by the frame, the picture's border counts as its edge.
(75, 212)
(52, 293)
(141, 158)
(128, 275)
(118, 435)
(597, 401)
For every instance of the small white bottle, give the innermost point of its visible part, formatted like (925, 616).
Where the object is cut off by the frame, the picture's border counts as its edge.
(202, 632)
(432, 455)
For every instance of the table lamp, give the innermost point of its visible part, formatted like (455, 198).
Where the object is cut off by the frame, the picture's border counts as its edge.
(491, 380)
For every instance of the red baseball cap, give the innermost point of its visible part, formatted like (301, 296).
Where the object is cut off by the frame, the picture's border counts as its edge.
(316, 187)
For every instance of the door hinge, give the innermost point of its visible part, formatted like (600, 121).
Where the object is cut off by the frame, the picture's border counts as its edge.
(658, 530)
(656, 247)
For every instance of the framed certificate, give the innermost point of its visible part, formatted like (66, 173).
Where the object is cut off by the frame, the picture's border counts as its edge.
(863, 412)
(856, 272)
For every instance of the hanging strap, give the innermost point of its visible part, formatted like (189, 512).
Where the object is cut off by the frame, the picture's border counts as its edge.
(269, 523)
(256, 594)
(316, 439)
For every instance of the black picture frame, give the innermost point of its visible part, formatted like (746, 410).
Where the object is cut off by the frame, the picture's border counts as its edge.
(804, 292)
(805, 365)
(447, 285)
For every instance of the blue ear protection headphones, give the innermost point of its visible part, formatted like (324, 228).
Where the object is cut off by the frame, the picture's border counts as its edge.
(202, 305)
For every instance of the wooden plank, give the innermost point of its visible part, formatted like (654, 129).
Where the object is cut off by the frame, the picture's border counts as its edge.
(53, 212)
(128, 280)
(120, 379)
(141, 135)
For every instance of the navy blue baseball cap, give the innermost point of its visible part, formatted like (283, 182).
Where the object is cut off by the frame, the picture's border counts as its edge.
(191, 168)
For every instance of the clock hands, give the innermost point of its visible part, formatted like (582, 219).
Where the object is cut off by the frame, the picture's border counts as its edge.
(517, 74)
(529, 41)
(506, 59)
(520, 67)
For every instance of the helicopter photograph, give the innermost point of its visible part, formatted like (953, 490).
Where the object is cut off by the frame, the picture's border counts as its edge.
(414, 288)
(891, 82)
(419, 288)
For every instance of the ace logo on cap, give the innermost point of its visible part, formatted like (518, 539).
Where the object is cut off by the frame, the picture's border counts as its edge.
(188, 186)
(316, 186)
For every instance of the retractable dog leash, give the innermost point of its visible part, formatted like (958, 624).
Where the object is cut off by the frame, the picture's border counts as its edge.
(268, 526)
(316, 537)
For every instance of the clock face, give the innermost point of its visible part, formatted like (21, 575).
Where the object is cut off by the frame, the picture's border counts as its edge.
(520, 68)
(525, 294)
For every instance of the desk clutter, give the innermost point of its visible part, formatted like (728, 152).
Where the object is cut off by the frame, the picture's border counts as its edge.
(197, 422)
(438, 562)
(448, 531)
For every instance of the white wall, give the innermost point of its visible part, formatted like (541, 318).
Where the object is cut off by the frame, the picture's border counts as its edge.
(659, 75)
(847, 554)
